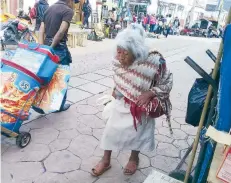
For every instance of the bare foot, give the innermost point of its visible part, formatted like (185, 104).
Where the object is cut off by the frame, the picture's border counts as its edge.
(100, 168)
(131, 166)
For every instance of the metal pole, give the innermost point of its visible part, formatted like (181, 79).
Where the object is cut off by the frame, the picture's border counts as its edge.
(206, 105)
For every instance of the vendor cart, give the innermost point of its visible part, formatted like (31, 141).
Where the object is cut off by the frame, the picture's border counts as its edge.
(22, 75)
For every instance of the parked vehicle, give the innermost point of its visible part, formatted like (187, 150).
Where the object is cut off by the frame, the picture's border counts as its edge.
(14, 31)
(201, 28)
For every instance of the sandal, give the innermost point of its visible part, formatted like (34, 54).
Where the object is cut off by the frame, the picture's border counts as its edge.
(131, 167)
(99, 169)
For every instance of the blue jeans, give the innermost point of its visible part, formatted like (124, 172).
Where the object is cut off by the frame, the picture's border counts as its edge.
(65, 59)
(85, 21)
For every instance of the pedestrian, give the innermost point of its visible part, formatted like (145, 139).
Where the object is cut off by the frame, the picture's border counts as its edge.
(152, 23)
(139, 19)
(134, 18)
(86, 9)
(145, 22)
(122, 132)
(167, 25)
(176, 25)
(41, 6)
(53, 32)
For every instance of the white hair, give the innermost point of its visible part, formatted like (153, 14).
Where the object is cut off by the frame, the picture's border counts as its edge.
(133, 39)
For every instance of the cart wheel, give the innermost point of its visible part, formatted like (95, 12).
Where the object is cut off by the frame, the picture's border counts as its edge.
(23, 139)
(180, 175)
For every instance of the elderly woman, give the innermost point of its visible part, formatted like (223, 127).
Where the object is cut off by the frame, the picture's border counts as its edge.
(142, 87)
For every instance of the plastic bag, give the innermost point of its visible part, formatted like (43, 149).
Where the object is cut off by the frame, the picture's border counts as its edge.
(196, 99)
(108, 101)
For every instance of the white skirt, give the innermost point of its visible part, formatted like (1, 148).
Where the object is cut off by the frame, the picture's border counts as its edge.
(120, 134)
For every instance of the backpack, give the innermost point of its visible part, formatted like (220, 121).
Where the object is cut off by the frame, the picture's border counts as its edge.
(33, 12)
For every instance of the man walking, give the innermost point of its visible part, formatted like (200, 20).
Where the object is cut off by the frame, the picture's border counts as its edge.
(40, 9)
(54, 27)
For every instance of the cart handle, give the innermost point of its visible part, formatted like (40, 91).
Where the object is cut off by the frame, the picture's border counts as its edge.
(202, 73)
(211, 55)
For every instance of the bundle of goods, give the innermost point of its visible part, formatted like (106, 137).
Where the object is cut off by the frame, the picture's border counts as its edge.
(22, 75)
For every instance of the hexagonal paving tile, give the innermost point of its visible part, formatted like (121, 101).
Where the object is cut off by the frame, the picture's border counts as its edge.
(181, 144)
(83, 146)
(189, 129)
(66, 124)
(21, 171)
(68, 134)
(173, 124)
(97, 133)
(164, 163)
(166, 149)
(44, 136)
(180, 120)
(62, 162)
(86, 109)
(84, 129)
(52, 178)
(59, 144)
(80, 176)
(177, 133)
(92, 121)
(33, 152)
(163, 138)
(40, 123)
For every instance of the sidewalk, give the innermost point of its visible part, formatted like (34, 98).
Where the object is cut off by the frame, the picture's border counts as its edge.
(64, 146)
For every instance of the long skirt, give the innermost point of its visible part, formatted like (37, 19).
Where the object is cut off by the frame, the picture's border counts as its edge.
(120, 134)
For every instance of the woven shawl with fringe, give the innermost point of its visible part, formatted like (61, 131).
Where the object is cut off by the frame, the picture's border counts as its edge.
(152, 75)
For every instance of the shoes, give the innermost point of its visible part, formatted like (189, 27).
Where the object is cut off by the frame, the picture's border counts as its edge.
(65, 107)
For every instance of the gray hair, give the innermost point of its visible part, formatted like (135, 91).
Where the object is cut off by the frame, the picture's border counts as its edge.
(133, 39)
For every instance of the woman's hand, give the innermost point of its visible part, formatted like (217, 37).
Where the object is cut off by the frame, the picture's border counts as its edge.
(145, 98)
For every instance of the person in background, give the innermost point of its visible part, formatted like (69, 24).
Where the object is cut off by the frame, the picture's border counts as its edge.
(134, 18)
(86, 13)
(145, 22)
(53, 32)
(41, 6)
(167, 25)
(139, 19)
(152, 23)
(160, 25)
(176, 24)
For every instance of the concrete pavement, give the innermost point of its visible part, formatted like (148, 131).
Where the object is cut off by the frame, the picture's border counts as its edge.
(64, 146)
